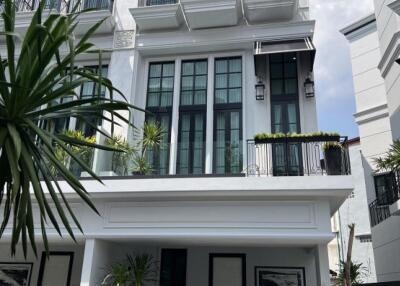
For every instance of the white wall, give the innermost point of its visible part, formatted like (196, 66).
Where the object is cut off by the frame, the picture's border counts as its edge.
(355, 210)
(5, 256)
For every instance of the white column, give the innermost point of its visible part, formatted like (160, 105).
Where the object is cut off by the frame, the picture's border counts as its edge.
(322, 265)
(175, 119)
(210, 116)
(87, 262)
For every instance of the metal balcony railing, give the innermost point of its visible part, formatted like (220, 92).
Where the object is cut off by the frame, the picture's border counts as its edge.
(378, 212)
(62, 6)
(296, 157)
(144, 3)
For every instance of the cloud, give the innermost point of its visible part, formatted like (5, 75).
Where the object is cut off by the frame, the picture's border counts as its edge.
(333, 74)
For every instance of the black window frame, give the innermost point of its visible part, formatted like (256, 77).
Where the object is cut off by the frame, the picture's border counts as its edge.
(192, 110)
(389, 196)
(228, 108)
(156, 112)
(83, 126)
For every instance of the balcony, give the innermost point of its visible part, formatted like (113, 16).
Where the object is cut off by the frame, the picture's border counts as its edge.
(101, 9)
(288, 156)
(158, 15)
(258, 11)
(211, 13)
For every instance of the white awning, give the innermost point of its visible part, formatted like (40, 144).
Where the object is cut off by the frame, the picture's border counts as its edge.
(286, 46)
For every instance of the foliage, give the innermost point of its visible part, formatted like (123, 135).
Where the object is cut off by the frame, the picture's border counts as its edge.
(44, 72)
(135, 270)
(331, 146)
(143, 269)
(264, 136)
(119, 275)
(85, 153)
(357, 272)
(151, 140)
(120, 160)
(391, 161)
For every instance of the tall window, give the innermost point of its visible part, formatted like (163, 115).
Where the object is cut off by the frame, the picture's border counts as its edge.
(385, 188)
(160, 91)
(285, 113)
(192, 118)
(89, 123)
(228, 116)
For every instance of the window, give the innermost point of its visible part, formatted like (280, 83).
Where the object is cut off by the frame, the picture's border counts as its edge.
(90, 89)
(287, 158)
(228, 116)
(160, 91)
(384, 188)
(173, 267)
(192, 118)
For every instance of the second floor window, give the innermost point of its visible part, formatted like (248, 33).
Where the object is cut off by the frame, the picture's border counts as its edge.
(90, 89)
(160, 91)
(192, 118)
(228, 116)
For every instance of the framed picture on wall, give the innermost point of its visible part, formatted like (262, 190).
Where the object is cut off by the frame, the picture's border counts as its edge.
(56, 269)
(15, 274)
(280, 276)
(226, 269)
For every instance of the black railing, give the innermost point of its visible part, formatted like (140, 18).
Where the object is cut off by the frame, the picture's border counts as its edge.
(296, 157)
(143, 3)
(63, 6)
(378, 212)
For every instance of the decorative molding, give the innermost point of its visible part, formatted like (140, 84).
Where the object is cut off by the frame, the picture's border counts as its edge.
(124, 39)
(390, 55)
(359, 27)
(371, 114)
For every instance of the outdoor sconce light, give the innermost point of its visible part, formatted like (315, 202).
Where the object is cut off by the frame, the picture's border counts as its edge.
(260, 90)
(309, 87)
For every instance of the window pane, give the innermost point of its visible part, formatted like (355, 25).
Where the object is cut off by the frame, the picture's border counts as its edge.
(201, 67)
(166, 99)
(276, 87)
(153, 99)
(201, 82)
(186, 97)
(155, 70)
(168, 84)
(221, 96)
(276, 71)
(290, 86)
(168, 69)
(187, 83)
(290, 70)
(154, 84)
(200, 97)
(275, 58)
(187, 68)
(235, 65)
(235, 95)
(221, 81)
(221, 66)
(235, 80)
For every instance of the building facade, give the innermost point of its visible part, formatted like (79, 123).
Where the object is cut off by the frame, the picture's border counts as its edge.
(218, 207)
(374, 48)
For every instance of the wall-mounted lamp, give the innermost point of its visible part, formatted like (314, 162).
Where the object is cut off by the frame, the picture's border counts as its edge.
(309, 87)
(260, 90)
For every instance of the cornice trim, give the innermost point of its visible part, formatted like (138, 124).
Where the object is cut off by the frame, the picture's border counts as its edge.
(390, 55)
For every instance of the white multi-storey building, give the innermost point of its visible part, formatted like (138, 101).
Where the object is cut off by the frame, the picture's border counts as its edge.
(374, 51)
(219, 208)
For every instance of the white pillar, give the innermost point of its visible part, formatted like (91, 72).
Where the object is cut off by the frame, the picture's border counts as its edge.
(210, 116)
(87, 262)
(322, 265)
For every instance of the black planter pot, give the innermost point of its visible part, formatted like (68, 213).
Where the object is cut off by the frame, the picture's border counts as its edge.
(333, 161)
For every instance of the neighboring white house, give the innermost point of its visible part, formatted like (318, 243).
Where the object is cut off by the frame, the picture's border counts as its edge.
(374, 50)
(354, 210)
(218, 208)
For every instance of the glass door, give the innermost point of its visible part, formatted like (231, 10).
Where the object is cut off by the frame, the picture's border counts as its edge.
(286, 156)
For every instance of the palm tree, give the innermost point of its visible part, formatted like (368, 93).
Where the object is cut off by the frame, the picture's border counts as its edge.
(30, 85)
(391, 161)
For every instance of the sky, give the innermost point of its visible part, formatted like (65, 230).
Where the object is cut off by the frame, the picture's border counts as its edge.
(332, 69)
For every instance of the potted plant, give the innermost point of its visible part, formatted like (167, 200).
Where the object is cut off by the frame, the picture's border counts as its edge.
(119, 275)
(151, 140)
(296, 137)
(333, 158)
(120, 160)
(142, 269)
